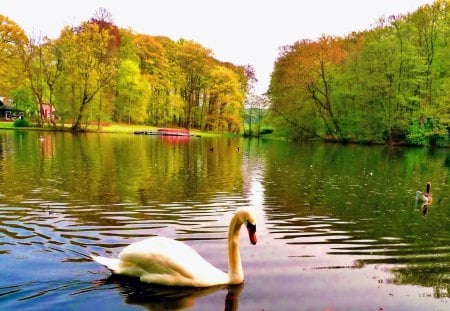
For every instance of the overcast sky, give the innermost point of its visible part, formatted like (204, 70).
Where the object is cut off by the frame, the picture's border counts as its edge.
(238, 31)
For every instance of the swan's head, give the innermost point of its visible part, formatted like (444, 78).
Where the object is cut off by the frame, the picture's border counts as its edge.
(247, 218)
(252, 232)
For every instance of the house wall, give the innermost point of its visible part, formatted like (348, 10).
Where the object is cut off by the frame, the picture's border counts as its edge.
(47, 111)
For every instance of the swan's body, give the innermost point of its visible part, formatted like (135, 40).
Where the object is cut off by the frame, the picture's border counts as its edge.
(421, 197)
(426, 196)
(165, 261)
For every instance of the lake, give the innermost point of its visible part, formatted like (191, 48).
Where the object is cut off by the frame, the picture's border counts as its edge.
(337, 225)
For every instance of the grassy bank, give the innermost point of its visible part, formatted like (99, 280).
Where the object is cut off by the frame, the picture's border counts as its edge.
(116, 128)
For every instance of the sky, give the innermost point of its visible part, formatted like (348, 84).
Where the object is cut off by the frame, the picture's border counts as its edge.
(243, 32)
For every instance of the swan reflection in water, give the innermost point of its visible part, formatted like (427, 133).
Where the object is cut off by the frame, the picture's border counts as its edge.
(159, 297)
(423, 207)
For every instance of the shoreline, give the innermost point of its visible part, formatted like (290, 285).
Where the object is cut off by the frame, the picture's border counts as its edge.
(119, 128)
(113, 128)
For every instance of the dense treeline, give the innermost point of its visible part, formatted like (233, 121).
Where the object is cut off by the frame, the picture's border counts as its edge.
(388, 84)
(97, 73)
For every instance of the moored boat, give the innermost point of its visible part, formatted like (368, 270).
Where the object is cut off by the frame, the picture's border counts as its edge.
(167, 132)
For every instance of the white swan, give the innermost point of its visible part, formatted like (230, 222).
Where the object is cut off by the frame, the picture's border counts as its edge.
(165, 261)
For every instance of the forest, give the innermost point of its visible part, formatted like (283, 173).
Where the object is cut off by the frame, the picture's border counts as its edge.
(389, 84)
(97, 73)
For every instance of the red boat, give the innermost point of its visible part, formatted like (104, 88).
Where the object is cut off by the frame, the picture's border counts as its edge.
(173, 132)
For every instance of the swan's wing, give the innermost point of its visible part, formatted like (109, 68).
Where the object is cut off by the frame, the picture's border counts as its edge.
(168, 259)
(158, 255)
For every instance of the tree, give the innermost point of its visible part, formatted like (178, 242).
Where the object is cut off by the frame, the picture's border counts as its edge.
(24, 100)
(252, 97)
(42, 64)
(288, 111)
(371, 78)
(98, 72)
(156, 67)
(225, 102)
(132, 93)
(324, 58)
(307, 71)
(388, 83)
(255, 112)
(13, 42)
(89, 66)
(194, 60)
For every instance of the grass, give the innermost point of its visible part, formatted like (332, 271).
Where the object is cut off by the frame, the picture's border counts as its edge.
(117, 128)
(6, 125)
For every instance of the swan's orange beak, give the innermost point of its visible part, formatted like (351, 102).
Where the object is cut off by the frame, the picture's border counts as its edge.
(252, 233)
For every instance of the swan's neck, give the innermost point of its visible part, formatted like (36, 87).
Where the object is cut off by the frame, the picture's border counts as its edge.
(235, 272)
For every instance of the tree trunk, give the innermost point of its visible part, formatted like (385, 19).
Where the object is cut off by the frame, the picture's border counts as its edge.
(77, 125)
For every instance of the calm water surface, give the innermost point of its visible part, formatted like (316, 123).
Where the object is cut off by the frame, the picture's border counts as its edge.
(338, 228)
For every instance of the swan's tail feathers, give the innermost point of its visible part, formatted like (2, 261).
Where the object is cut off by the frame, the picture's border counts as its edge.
(110, 263)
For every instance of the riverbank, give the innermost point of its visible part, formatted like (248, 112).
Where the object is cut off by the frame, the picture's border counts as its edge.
(114, 128)
(121, 128)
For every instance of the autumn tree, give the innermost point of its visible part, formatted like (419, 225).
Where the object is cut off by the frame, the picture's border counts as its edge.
(195, 61)
(288, 113)
(155, 66)
(42, 65)
(13, 43)
(308, 70)
(389, 83)
(98, 72)
(225, 102)
(321, 67)
(88, 66)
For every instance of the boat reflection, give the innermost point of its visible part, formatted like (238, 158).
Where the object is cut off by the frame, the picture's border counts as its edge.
(175, 139)
(157, 297)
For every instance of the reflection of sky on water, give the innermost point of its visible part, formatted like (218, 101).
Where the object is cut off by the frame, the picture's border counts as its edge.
(339, 224)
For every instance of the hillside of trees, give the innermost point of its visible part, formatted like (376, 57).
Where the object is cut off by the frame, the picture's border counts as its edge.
(389, 84)
(97, 73)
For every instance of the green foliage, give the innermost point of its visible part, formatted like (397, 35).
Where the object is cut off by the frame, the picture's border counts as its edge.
(23, 100)
(96, 72)
(416, 134)
(266, 131)
(21, 122)
(12, 43)
(390, 83)
(132, 93)
(429, 132)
